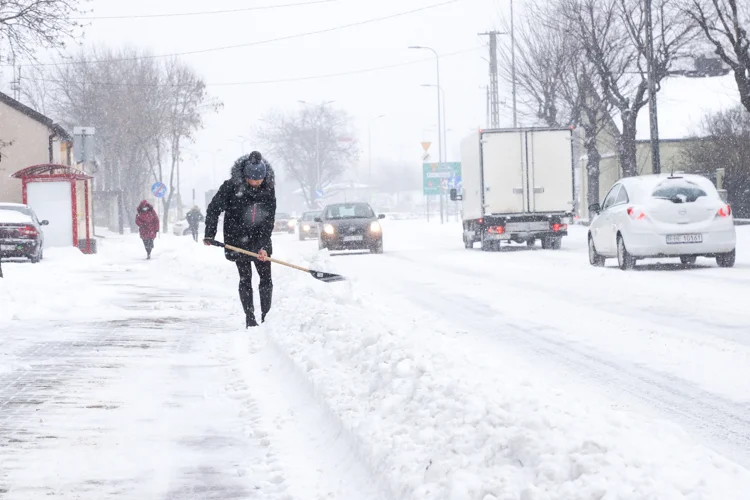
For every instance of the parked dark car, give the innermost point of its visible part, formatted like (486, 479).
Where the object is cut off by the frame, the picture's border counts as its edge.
(308, 228)
(21, 232)
(284, 222)
(350, 226)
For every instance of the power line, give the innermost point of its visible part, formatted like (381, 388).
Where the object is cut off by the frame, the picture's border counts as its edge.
(258, 42)
(204, 13)
(279, 80)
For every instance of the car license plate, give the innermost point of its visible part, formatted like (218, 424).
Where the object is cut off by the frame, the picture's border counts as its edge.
(7, 248)
(353, 238)
(684, 238)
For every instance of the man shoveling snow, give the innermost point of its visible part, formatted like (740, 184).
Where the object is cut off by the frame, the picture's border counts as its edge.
(248, 200)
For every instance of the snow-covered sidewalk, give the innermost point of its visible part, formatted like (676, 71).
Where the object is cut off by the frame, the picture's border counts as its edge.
(122, 378)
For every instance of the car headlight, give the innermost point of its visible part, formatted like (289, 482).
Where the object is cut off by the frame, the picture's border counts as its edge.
(328, 229)
(291, 223)
(306, 227)
(375, 227)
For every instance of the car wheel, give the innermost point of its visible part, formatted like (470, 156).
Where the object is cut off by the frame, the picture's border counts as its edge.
(378, 248)
(726, 259)
(594, 258)
(301, 237)
(321, 245)
(35, 258)
(624, 260)
(688, 259)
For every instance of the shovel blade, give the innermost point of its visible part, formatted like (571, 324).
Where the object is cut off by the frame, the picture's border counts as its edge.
(327, 277)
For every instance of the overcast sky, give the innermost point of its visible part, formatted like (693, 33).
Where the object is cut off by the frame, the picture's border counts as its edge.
(410, 110)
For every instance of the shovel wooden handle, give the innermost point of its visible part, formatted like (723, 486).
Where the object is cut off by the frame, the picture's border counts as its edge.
(275, 261)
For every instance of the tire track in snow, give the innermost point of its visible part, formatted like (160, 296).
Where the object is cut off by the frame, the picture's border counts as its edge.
(309, 444)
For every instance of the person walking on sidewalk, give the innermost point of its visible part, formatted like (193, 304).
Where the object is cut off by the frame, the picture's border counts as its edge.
(148, 225)
(194, 218)
(248, 200)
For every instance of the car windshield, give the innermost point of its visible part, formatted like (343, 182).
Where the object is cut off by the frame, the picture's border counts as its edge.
(308, 216)
(349, 211)
(283, 216)
(678, 191)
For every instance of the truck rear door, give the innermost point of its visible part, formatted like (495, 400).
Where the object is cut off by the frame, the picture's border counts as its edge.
(550, 170)
(504, 169)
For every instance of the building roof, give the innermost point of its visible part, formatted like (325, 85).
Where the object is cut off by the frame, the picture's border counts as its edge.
(51, 170)
(35, 115)
(683, 102)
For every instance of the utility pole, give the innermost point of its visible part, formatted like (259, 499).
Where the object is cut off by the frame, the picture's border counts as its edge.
(15, 85)
(494, 98)
(652, 112)
(513, 64)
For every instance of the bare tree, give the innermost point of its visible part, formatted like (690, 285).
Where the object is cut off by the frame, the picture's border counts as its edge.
(613, 36)
(37, 90)
(724, 24)
(28, 24)
(315, 145)
(144, 111)
(558, 82)
(725, 144)
(541, 63)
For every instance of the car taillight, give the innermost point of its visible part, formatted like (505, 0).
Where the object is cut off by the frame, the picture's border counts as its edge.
(496, 229)
(559, 227)
(724, 211)
(27, 232)
(636, 214)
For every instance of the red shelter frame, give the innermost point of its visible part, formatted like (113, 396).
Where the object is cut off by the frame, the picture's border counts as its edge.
(52, 172)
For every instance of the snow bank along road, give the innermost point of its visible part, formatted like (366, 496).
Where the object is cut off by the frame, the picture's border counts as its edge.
(434, 373)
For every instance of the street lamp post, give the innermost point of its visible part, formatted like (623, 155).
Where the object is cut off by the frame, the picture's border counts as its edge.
(369, 145)
(445, 121)
(440, 126)
(317, 141)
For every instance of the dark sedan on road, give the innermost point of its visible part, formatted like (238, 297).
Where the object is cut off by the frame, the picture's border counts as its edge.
(21, 232)
(350, 226)
(308, 228)
(284, 222)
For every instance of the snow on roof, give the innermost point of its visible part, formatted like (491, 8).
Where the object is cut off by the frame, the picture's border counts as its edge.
(13, 217)
(683, 102)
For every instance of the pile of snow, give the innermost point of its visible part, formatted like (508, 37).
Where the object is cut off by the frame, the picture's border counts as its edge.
(434, 427)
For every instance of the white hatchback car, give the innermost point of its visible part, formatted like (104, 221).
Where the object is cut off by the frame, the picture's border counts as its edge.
(680, 215)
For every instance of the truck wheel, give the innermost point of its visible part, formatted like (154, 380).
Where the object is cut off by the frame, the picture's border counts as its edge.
(468, 243)
(556, 243)
(486, 244)
(530, 242)
(546, 243)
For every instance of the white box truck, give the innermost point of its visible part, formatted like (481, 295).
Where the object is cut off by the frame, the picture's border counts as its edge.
(517, 185)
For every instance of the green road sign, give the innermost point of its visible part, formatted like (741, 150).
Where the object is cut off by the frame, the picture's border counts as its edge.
(438, 178)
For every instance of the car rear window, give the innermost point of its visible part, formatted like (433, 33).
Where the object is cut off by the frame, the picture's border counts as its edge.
(678, 191)
(14, 216)
(309, 215)
(283, 216)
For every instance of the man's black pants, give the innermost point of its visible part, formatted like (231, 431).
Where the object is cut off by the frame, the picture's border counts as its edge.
(265, 288)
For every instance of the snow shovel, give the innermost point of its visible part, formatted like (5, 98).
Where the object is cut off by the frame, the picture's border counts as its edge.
(318, 275)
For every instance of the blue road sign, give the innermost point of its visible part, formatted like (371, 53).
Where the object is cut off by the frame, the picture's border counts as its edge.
(159, 189)
(319, 194)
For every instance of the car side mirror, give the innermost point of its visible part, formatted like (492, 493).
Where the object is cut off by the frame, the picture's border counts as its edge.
(381, 216)
(44, 223)
(595, 208)
(318, 219)
(455, 196)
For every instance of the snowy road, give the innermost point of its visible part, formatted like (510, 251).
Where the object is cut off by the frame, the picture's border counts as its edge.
(665, 341)
(434, 373)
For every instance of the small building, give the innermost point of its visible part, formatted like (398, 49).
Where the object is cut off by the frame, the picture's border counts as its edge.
(61, 195)
(27, 137)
